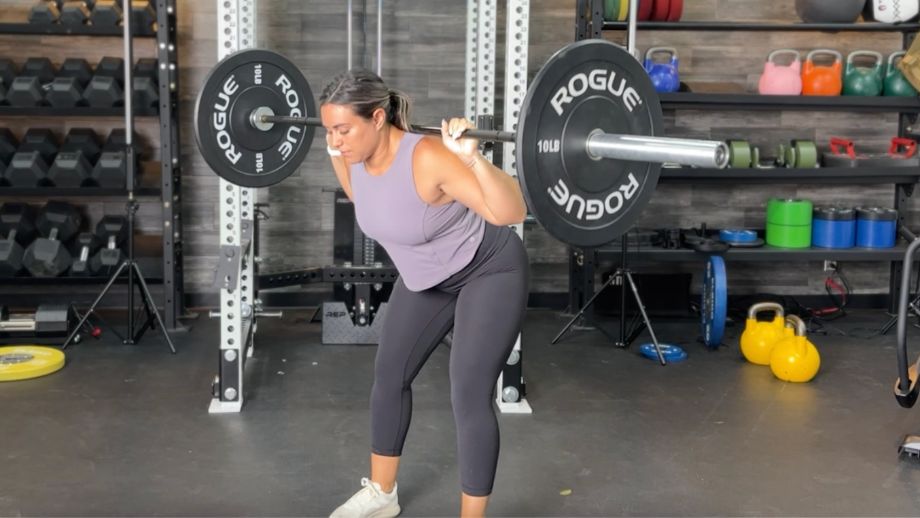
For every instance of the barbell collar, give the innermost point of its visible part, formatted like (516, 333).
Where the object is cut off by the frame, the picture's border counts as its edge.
(700, 153)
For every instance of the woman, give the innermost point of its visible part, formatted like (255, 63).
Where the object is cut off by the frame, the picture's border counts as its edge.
(442, 212)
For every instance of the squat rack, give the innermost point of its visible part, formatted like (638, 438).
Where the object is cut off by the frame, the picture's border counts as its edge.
(236, 277)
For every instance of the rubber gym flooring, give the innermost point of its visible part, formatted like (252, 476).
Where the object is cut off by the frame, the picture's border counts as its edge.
(124, 431)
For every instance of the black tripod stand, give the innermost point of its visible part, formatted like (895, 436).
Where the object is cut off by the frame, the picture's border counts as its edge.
(129, 264)
(624, 275)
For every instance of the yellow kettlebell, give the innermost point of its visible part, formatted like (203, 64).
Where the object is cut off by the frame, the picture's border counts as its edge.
(795, 358)
(758, 337)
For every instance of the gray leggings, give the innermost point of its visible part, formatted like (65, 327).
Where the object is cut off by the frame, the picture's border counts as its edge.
(485, 304)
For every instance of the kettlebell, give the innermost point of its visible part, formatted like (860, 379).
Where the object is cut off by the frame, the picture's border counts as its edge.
(781, 79)
(829, 11)
(863, 80)
(822, 79)
(758, 338)
(664, 76)
(795, 358)
(895, 82)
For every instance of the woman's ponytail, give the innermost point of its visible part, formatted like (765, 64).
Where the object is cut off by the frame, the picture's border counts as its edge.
(399, 110)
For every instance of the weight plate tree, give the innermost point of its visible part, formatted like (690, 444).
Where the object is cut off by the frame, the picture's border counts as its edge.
(587, 153)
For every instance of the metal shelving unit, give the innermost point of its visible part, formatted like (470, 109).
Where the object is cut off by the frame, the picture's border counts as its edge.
(590, 24)
(168, 269)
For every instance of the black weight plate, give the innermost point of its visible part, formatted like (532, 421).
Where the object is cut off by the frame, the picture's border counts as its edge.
(237, 151)
(586, 86)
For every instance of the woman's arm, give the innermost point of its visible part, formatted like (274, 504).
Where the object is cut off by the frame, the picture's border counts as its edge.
(466, 176)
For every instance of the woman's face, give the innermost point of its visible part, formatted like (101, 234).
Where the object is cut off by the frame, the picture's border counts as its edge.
(353, 135)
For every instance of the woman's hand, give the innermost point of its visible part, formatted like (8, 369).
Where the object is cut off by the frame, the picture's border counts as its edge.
(452, 135)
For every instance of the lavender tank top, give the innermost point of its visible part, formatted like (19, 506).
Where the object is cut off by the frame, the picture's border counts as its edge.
(427, 243)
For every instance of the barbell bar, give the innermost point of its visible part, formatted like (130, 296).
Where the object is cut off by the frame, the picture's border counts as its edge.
(699, 153)
(587, 148)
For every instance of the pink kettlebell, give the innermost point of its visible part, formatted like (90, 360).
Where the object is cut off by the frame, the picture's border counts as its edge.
(781, 79)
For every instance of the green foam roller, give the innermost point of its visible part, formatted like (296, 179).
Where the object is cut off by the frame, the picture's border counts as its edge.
(789, 212)
(789, 236)
(806, 154)
(740, 153)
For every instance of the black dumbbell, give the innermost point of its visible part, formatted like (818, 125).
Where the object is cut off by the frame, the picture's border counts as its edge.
(29, 166)
(8, 73)
(110, 170)
(105, 88)
(73, 164)
(48, 256)
(143, 16)
(84, 249)
(45, 12)
(67, 88)
(76, 12)
(146, 93)
(8, 145)
(113, 231)
(28, 89)
(17, 229)
(106, 13)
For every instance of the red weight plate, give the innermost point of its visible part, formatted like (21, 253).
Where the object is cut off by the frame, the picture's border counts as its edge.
(660, 10)
(676, 11)
(645, 9)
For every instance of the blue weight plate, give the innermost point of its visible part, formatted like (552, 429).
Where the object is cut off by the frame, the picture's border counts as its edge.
(671, 353)
(715, 302)
(732, 236)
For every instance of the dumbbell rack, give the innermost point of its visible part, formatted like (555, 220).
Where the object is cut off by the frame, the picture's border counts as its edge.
(168, 271)
(583, 262)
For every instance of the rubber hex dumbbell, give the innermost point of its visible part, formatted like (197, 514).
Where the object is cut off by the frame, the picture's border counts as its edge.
(106, 13)
(28, 89)
(105, 89)
(45, 12)
(84, 248)
(143, 16)
(113, 231)
(109, 170)
(48, 256)
(67, 88)
(29, 166)
(76, 12)
(17, 230)
(8, 73)
(73, 164)
(146, 93)
(8, 145)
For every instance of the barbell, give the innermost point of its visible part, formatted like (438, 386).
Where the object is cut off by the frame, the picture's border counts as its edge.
(586, 151)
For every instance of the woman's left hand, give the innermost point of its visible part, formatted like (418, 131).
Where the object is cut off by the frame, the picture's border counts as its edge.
(452, 135)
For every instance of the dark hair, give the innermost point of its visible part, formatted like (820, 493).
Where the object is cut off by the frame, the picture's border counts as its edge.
(364, 92)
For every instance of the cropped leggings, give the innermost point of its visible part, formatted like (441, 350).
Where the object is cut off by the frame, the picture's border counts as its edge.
(484, 303)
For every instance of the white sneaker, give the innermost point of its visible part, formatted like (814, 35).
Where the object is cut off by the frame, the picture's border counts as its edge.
(369, 502)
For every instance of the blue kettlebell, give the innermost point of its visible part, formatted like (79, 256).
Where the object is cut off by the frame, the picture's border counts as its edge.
(665, 76)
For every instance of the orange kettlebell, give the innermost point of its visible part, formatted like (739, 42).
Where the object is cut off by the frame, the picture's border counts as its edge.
(822, 79)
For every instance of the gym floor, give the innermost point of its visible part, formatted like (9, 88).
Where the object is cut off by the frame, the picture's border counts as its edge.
(124, 431)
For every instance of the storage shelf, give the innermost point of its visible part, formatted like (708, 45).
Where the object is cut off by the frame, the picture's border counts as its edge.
(754, 26)
(688, 100)
(764, 253)
(822, 175)
(70, 30)
(151, 267)
(84, 111)
(73, 192)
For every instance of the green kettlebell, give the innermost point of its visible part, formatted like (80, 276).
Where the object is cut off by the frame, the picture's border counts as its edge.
(863, 80)
(896, 85)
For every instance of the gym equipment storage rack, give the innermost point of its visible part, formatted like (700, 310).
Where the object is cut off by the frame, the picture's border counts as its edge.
(168, 273)
(590, 23)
